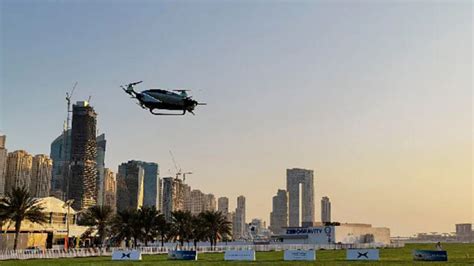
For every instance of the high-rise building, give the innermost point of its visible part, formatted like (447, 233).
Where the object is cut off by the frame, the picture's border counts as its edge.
(3, 164)
(130, 186)
(201, 202)
(173, 196)
(279, 214)
(151, 192)
(295, 177)
(325, 210)
(197, 201)
(209, 202)
(187, 197)
(110, 189)
(61, 156)
(223, 205)
(82, 182)
(100, 162)
(239, 223)
(41, 176)
(18, 172)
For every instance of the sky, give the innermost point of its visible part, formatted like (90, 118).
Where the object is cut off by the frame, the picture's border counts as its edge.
(375, 97)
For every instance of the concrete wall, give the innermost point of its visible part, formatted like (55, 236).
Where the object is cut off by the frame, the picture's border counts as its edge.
(349, 234)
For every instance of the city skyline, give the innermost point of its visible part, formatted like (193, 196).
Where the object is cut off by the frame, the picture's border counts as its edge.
(375, 98)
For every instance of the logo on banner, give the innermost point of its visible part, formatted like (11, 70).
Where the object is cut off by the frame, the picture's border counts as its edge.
(362, 254)
(126, 255)
(239, 255)
(299, 255)
(328, 231)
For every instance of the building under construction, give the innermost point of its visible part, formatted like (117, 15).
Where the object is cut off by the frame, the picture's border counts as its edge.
(81, 185)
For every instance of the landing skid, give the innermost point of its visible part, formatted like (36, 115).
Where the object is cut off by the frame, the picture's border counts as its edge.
(151, 111)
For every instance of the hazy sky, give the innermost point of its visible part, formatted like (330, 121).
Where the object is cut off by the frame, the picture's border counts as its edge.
(375, 97)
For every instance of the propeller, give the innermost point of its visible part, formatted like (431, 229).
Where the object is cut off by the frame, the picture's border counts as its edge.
(135, 83)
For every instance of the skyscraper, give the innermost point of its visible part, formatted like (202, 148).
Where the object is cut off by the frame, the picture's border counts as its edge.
(151, 195)
(110, 189)
(18, 172)
(209, 202)
(3, 164)
(173, 196)
(41, 176)
(325, 210)
(239, 224)
(279, 214)
(100, 162)
(61, 155)
(130, 185)
(187, 197)
(223, 205)
(295, 177)
(197, 201)
(82, 182)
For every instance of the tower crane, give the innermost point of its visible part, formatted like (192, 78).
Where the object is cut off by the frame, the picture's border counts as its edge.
(178, 170)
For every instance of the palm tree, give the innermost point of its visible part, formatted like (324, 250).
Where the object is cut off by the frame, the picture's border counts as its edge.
(99, 218)
(216, 226)
(181, 226)
(17, 206)
(162, 228)
(148, 217)
(122, 226)
(137, 227)
(199, 232)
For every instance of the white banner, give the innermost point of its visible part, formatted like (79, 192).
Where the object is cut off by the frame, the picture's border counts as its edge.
(362, 254)
(239, 255)
(299, 255)
(126, 255)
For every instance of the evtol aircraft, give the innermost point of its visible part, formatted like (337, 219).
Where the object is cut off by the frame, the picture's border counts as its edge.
(160, 99)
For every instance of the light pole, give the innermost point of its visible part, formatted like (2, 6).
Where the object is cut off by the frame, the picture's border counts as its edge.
(67, 204)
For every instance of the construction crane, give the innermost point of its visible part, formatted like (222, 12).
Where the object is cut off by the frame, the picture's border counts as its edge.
(178, 170)
(66, 167)
(69, 111)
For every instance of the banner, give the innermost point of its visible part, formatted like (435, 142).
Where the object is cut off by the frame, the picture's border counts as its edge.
(239, 255)
(182, 255)
(430, 255)
(316, 235)
(126, 255)
(362, 254)
(299, 255)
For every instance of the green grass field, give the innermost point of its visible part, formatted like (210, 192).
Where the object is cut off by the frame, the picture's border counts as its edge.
(458, 254)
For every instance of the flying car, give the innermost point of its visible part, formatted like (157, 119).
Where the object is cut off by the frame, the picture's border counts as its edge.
(159, 99)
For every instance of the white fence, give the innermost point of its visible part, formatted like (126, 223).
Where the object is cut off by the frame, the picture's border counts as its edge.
(94, 252)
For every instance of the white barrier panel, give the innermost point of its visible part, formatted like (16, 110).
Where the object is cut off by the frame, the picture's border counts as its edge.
(126, 255)
(362, 254)
(239, 255)
(299, 255)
